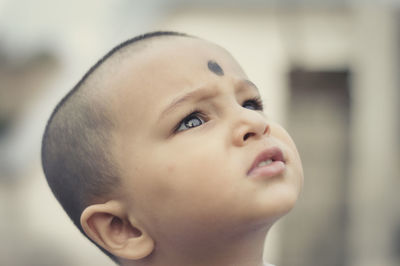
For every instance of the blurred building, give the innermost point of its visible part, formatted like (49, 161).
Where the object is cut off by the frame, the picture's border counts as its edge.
(327, 71)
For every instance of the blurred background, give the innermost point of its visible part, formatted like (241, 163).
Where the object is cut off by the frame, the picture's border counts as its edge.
(328, 71)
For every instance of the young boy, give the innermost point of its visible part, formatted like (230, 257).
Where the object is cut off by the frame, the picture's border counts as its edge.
(162, 155)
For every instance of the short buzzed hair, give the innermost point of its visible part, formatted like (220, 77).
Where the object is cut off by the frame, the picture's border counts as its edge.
(76, 155)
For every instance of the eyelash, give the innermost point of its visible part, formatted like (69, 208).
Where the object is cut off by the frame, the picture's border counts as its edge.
(257, 105)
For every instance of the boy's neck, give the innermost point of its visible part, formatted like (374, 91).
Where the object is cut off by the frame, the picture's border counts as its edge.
(246, 250)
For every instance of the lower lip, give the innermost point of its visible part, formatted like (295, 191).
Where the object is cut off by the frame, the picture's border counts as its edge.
(267, 171)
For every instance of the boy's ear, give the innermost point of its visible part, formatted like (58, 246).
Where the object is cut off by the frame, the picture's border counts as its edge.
(107, 225)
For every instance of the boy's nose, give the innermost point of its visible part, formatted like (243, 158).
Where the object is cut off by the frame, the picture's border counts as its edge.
(249, 125)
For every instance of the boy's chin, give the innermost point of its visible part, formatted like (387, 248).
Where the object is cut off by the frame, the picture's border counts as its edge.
(282, 207)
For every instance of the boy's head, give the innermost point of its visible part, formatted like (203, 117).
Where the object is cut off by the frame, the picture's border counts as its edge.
(157, 151)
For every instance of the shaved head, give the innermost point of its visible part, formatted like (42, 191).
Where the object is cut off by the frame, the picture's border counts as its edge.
(77, 157)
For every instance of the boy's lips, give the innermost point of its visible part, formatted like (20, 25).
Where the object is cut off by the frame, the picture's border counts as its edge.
(268, 163)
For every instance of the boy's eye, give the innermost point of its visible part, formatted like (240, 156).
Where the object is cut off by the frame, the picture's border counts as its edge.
(195, 119)
(254, 104)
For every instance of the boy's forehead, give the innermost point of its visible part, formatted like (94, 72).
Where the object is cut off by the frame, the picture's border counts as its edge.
(172, 60)
(160, 69)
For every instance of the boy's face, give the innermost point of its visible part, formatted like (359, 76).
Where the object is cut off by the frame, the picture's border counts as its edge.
(187, 176)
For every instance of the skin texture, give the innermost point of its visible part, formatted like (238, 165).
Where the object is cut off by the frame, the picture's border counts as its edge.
(185, 192)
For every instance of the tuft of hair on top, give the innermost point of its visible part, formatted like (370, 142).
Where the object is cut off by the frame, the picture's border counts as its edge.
(76, 157)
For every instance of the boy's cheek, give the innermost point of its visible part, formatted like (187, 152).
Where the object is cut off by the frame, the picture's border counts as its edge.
(293, 156)
(183, 177)
(281, 134)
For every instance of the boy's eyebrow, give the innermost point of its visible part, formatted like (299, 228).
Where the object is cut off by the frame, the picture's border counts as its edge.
(204, 93)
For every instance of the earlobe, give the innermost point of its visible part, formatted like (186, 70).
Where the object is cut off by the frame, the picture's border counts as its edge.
(107, 225)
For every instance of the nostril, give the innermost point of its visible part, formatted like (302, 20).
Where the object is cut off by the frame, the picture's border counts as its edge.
(248, 135)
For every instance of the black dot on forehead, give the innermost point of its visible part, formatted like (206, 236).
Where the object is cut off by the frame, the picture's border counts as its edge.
(215, 68)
